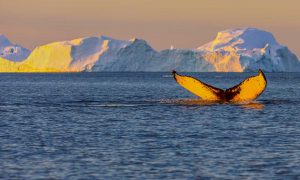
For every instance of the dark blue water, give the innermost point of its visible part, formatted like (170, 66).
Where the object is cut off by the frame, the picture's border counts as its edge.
(136, 125)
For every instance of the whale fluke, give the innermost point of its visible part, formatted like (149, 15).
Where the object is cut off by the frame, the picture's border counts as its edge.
(247, 90)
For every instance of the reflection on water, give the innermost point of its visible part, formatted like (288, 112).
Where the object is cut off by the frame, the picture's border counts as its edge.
(199, 102)
(253, 105)
(190, 102)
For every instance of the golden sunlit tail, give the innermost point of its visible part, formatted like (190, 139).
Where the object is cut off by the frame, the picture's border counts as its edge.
(200, 89)
(247, 90)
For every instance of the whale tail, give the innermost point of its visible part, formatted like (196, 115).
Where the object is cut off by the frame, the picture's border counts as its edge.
(247, 90)
(198, 88)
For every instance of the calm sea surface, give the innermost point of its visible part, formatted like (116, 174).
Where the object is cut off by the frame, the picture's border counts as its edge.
(137, 125)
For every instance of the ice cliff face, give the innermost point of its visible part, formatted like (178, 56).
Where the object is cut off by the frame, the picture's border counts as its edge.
(12, 51)
(234, 50)
(68, 56)
(76, 55)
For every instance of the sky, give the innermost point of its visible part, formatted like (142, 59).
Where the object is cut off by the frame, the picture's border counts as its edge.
(181, 23)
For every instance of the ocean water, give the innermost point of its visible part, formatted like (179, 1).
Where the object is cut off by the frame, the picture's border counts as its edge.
(144, 125)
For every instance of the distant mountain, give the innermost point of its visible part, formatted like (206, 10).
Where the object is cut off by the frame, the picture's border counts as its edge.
(12, 51)
(234, 50)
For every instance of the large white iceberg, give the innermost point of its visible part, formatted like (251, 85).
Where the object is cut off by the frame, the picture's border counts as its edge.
(233, 50)
(248, 49)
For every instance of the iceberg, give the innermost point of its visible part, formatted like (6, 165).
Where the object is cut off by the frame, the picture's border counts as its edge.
(233, 50)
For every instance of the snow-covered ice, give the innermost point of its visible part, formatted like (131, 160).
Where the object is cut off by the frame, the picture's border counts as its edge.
(233, 50)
